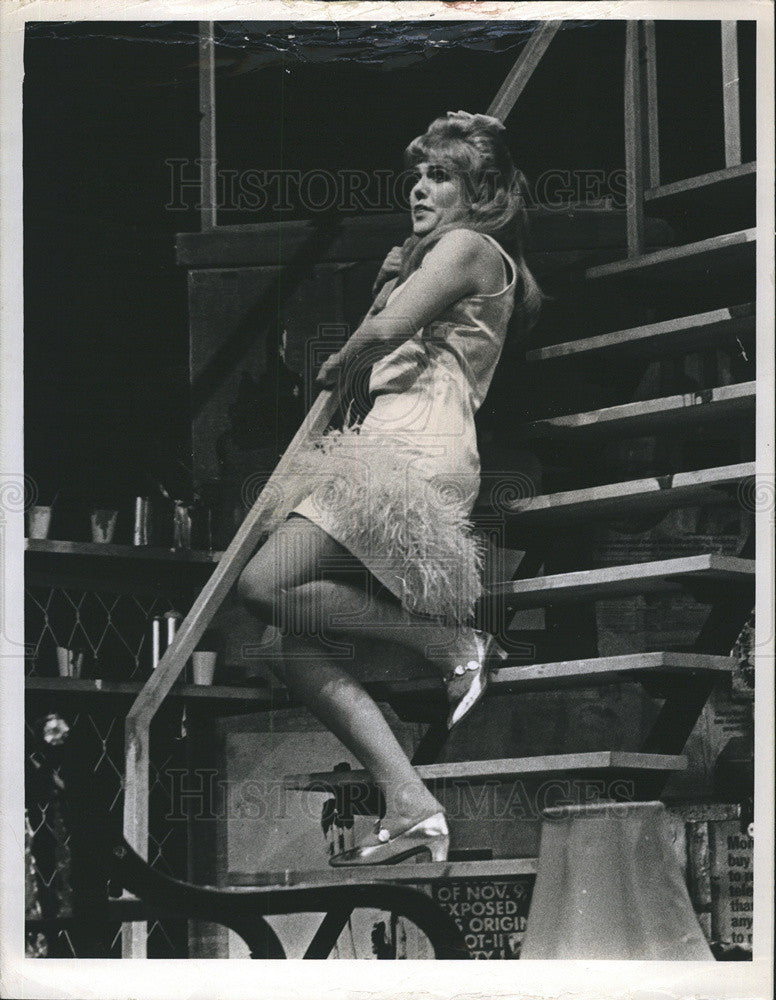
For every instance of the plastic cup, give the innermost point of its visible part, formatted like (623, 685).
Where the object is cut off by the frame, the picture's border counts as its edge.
(69, 662)
(203, 666)
(38, 521)
(103, 525)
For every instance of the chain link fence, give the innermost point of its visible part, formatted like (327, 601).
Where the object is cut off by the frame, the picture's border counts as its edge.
(74, 760)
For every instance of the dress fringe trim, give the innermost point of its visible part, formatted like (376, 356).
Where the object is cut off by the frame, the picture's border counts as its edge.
(367, 490)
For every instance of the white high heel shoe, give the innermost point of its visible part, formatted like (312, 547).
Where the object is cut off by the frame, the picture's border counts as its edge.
(427, 836)
(487, 649)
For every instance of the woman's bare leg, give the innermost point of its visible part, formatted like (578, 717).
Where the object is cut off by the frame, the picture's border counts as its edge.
(286, 585)
(345, 708)
(293, 558)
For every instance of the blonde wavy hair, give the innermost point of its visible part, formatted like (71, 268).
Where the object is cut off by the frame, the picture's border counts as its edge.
(472, 148)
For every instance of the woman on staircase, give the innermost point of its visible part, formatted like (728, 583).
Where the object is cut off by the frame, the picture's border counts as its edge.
(378, 512)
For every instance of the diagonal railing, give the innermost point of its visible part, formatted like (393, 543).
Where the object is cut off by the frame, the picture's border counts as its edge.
(234, 559)
(147, 703)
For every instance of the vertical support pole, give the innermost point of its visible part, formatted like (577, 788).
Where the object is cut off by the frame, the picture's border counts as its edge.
(134, 936)
(634, 142)
(731, 107)
(207, 126)
(650, 101)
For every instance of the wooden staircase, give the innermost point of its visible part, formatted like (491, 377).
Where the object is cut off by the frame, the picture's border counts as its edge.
(689, 277)
(683, 679)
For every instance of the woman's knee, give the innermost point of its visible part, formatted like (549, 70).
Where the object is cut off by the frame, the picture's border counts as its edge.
(255, 589)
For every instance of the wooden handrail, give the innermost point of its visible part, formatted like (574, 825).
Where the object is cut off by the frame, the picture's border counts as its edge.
(138, 720)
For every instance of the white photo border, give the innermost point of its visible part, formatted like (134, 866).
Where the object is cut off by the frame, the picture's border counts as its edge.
(32, 978)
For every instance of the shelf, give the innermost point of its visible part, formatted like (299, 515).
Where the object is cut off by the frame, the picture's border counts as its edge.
(687, 333)
(109, 551)
(648, 416)
(70, 687)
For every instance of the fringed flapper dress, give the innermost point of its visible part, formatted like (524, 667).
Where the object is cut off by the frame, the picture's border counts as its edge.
(397, 489)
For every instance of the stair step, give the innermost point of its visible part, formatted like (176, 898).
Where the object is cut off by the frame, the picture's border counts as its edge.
(730, 251)
(418, 872)
(704, 486)
(721, 192)
(664, 576)
(607, 669)
(574, 673)
(685, 333)
(646, 416)
(621, 761)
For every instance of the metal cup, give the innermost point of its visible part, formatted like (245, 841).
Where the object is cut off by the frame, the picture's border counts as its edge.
(141, 534)
(69, 662)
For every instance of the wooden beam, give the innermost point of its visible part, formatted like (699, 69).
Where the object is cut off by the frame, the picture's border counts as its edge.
(650, 103)
(522, 71)
(207, 127)
(731, 106)
(684, 701)
(634, 142)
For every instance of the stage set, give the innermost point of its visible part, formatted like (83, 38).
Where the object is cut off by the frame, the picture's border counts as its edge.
(223, 195)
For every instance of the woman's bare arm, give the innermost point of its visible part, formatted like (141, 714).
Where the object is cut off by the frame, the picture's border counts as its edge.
(461, 264)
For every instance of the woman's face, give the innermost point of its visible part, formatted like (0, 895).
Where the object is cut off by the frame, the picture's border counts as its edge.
(436, 198)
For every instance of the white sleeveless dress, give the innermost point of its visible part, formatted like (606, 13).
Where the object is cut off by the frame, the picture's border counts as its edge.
(397, 489)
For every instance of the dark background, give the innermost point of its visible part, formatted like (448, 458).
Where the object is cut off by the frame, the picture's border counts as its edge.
(105, 105)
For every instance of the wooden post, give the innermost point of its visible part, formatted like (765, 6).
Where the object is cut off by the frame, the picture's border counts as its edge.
(730, 97)
(156, 688)
(207, 126)
(521, 72)
(134, 936)
(650, 103)
(634, 142)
